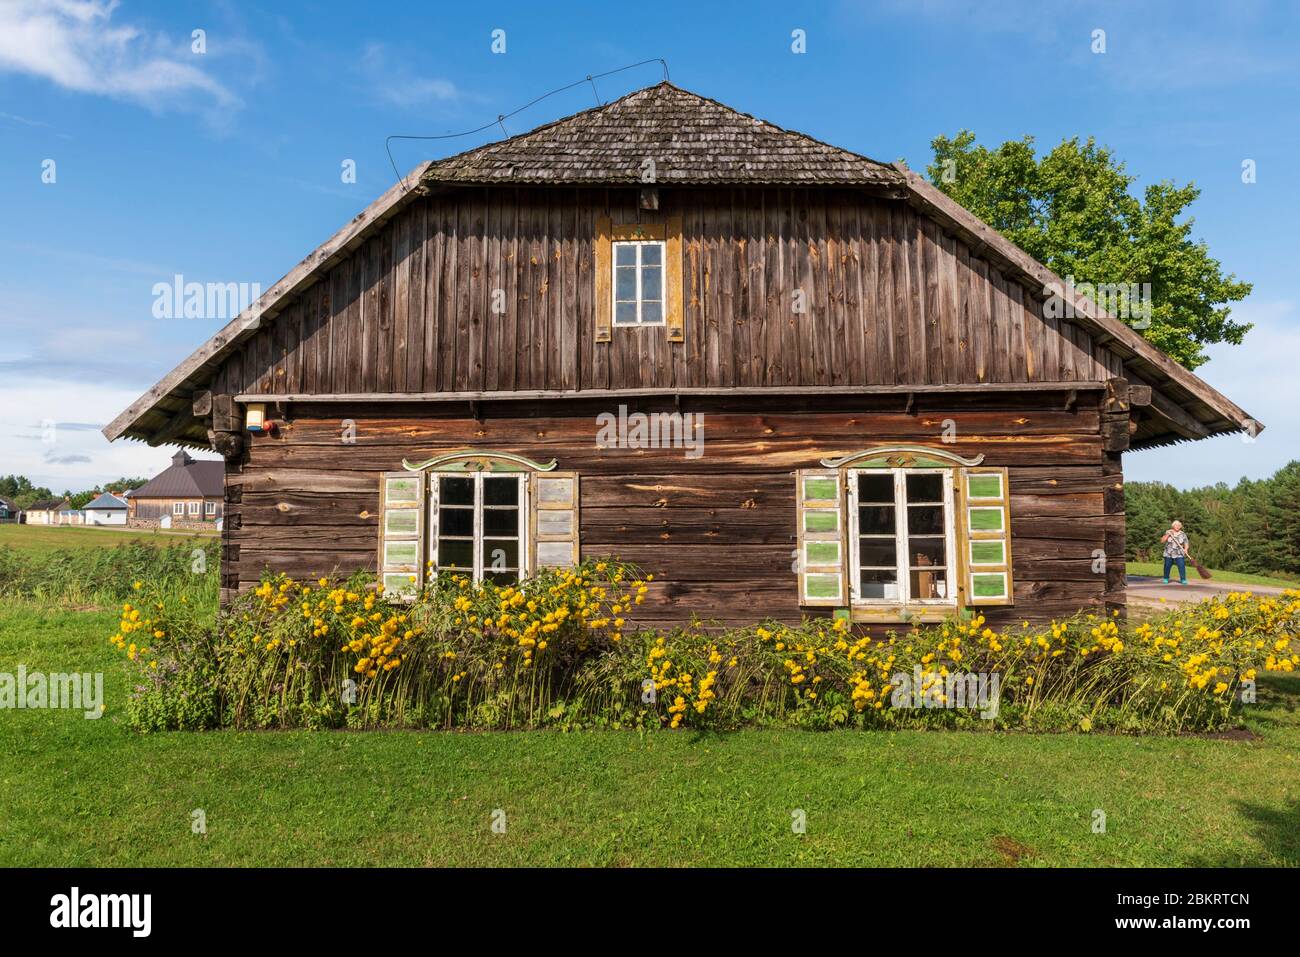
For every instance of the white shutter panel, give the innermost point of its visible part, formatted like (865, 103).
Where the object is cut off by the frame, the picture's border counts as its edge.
(401, 532)
(553, 522)
(985, 514)
(821, 560)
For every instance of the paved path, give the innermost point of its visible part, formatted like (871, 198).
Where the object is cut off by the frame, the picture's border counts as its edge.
(1143, 588)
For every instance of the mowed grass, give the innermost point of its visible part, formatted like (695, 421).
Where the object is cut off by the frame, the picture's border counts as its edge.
(1157, 570)
(43, 539)
(77, 792)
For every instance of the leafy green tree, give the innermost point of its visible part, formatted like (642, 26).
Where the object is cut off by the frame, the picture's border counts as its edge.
(20, 490)
(1073, 211)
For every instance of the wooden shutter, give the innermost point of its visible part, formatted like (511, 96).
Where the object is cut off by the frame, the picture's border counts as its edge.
(821, 561)
(553, 522)
(674, 312)
(604, 268)
(985, 516)
(401, 532)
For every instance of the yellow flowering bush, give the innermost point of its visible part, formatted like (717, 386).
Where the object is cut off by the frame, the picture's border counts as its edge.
(561, 650)
(1183, 671)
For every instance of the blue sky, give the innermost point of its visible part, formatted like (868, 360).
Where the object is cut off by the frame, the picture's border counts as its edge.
(225, 166)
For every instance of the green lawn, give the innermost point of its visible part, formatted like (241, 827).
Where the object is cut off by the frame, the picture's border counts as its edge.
(1156, 570)
(43, 539)
(79, 792)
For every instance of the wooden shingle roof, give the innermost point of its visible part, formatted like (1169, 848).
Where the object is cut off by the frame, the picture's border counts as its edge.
(690, 139)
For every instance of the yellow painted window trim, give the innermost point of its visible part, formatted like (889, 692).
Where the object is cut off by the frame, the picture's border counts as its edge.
(670, 233)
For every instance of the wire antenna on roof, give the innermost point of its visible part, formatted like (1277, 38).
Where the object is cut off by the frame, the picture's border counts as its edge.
(502, 117)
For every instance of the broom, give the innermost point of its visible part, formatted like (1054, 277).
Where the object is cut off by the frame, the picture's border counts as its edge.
(1200, 569)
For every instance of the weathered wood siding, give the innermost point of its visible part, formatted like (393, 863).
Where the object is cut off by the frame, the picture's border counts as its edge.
(718, 531)
(890, 299)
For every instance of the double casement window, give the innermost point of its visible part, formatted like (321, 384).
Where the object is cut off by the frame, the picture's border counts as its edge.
(210, 508)
(479, 525)
(901, 535)
(638, 277)
(194, 507)
(904, 530)
(178, 508)
(488, 517)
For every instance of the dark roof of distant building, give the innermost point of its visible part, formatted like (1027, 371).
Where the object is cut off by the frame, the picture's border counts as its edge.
(186, 478)
(45, 504)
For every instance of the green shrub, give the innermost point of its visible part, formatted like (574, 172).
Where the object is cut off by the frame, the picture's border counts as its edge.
(559, 651)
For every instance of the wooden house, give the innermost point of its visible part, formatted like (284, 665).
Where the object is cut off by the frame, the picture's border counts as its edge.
(10, 511)
(784, 378)
(186, 494)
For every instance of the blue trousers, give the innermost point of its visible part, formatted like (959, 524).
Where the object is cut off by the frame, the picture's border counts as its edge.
(1181, 562)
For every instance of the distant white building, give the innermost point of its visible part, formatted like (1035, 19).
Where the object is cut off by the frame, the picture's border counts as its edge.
(107, 509)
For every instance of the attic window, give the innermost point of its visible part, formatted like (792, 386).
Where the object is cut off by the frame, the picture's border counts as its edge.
(638, 277)
(639, 283)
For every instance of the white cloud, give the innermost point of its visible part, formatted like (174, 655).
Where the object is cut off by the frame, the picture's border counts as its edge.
(394, 83)
(75, 45)
(46, 437)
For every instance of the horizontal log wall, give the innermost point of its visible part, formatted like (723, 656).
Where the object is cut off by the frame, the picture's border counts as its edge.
(717, 531)
(887, 299)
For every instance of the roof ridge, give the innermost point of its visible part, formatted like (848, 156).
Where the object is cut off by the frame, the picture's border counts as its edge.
(493, 162)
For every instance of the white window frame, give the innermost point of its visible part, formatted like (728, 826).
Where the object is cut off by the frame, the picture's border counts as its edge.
(178, 508)
(210, 508)
(902, 566)
(195, 507)
(663, 278)
(525, 506)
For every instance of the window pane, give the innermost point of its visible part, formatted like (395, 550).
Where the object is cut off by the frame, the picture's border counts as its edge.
(500, 554)
(925, 519)
(652, 312)
(878, 584)
(876, 520)
(929, 584)
(456, 491)
(651, 254)
(925, 488)
(500, 491)
(502, 578)
(455, 521)
(876, 488)
(625, 313)
(877, 551)
(625, 283)
(501, 521)
(926, 551)
(455, 555)
(625, 254)
(652, 283)
(555, 522)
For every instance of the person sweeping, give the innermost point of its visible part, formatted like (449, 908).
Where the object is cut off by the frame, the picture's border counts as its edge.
(1175, 542)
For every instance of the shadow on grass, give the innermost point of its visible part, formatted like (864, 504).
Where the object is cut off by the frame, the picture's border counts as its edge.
(1277, 829)
(1279, 700)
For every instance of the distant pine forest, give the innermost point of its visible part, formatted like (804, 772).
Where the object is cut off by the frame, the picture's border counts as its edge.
(1252, 527)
